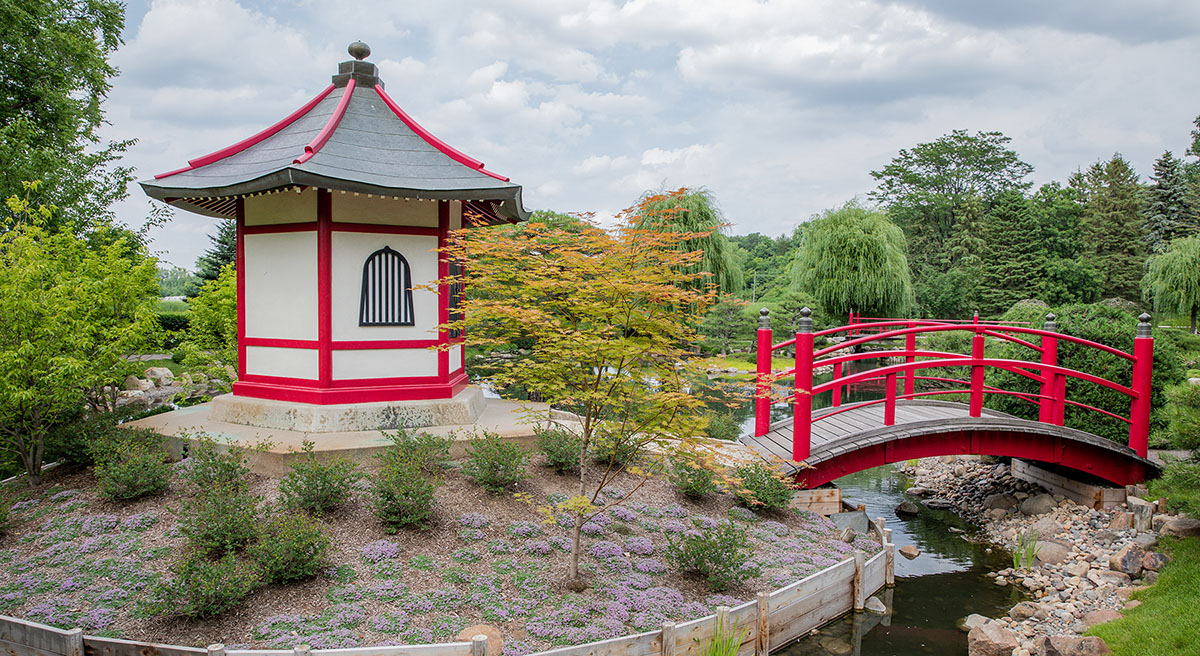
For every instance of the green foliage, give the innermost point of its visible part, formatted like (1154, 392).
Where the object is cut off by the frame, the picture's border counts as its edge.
(1169, 211)
(1183, 412)
(211, 342)
(1180, 486)
(723, 426)
(430, 452)
(694, 211)
(176, 281)
(221, 253)
(219, 515)
(727, 326)
(1173, 279)
(402, 490)
(71, 313)
(762, 488)
(610, 449)
(495, 463)
(130, 463)
(291, 547)
(560, 447)
(692, 478)
(725, 640)
(722, 555)
(202, 588)
(318, 485)
(853, 259)
(1112, 227)
(1014, 260)
(1026, 550)
(210, 465)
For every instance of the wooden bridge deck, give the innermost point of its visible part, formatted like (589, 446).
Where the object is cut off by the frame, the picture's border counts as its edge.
(861, 428)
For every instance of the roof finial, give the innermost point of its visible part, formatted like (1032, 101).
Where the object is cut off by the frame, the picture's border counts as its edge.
(359, 50)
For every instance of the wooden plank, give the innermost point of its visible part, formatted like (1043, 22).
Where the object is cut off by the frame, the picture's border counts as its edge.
(860, 593)
(762, 632)
(18, 649)
(437, 649)
(811, 583)
(638, 644)
(667, 644)
(809, 613)
(479, 645)
(36, 636)
(94, 646)
(875, 573)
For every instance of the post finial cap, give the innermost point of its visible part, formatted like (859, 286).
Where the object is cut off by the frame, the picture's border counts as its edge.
(359, 50)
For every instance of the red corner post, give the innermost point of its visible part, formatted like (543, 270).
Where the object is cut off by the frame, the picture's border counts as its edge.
(762, 389)
(1143, 373)
(802, 419)
(976, 406)
(1047, 404)
(910, 345)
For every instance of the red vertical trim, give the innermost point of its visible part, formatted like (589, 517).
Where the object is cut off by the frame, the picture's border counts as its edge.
(975, 408)
(1139, 412)
(762, 392)
(889, 406)
(1049, 385)
(443, 270)
(240, 263)
(802, 419)
(324, 287)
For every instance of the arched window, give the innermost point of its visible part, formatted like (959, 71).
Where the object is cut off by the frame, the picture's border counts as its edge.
(386, 290)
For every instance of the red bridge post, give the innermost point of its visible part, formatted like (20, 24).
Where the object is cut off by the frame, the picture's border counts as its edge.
(1047, 411)
(762, 389)
(910, 345)
(802, 404)
(975, 408)
(1143, 374)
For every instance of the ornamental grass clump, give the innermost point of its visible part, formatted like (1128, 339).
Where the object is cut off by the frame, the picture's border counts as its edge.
(495, 463)
(130, 464)
(560, 447)
(402, 491)
(721, 554)
(318, 485)
(762, 488)
(291, 547)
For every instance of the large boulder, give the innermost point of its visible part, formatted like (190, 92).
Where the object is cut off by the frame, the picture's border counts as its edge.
(1000, 500)
(1046, 527)
(1024, 610)
(991, 639)
(1070, 646)
(1181, 527)
(971, 621)
(1121, 521)
(907, 509)
(1143, 512)
(1050, 552)
(1100, 616)
(1128, 559)
(876, 606)
(1038, 505)
(909, 551)
(1154, 561)
(161, 376)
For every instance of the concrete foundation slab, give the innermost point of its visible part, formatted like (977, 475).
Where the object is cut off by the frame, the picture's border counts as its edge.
(464, 408)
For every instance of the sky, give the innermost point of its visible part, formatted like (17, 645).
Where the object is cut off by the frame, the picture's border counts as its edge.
(781, 109)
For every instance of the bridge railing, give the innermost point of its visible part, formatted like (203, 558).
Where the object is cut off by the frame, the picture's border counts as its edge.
(1051, 397)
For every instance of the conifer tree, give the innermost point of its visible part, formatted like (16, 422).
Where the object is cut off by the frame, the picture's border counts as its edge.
(1169, 214)
(1112, 226)
(222, 252)
(1014, 258)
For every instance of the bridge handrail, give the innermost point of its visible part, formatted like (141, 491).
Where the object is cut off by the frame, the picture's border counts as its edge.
(863, 404)
(991, 331)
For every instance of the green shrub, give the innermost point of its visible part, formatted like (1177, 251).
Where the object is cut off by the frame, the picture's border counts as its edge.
(130, 463)
(221, 519)
(1183, 415)
(291, 547)
(723, 426)
(495, 463)
(318, 486)
(209, 466)
(430, 452)
(560, 447)
(608, 448)
(402, 491)
(762, 488)
(1180, 486)
(72, 442)
(722, 555)
(692, 478)
(178, 356)
(204, 588)
(6, 504)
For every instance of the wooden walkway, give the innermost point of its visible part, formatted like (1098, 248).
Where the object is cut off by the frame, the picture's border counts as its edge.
(861, 428)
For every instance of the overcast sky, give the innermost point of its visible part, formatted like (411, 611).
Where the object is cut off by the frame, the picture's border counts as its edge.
(780, 108)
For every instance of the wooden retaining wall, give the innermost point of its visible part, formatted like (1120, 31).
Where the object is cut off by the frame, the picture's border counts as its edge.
(768, 623)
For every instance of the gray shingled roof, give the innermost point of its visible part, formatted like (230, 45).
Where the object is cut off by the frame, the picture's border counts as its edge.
(371, 151)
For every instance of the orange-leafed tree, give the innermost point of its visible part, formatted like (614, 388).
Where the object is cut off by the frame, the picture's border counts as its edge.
(608, 317)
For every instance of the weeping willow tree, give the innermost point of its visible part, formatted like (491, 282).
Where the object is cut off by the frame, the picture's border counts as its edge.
(853, 259)
(1172, 279)
(694, 210)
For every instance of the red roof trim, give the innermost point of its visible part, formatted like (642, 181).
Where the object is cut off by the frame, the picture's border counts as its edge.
(250, 141)
(326, 132)
(444, 147)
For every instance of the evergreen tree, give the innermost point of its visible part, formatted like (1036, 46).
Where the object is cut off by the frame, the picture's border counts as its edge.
(1111, 224)
(1014, 258)
(223, 251)
(1169, 214)
(948, 286)
(694, 210)
(1068, 278)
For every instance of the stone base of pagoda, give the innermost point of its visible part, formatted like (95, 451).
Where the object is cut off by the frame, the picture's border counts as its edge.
(461, 409)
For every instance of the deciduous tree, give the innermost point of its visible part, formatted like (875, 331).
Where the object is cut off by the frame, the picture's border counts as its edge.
(1173, 278)
(694, 211)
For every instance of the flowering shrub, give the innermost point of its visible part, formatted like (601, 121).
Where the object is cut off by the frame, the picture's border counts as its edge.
(721, 554)
(562, 542)
(390, 622)
(499, 547)
(673, 526)
(691, 478)
(592, 528)
(467, 556)
(774, 527)
(674, 510)
(204, 588)
(522, 529)
(416, 604)
(471, 535)
(742, 514)
(389, 590)
(139, 522)
(622, 513)
(649, 566)
(604, 549)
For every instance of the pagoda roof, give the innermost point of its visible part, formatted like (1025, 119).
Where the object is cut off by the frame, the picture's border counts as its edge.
(351, 137)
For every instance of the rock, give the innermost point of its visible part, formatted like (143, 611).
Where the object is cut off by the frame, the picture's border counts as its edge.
(1002, 500)
(1070, 646)
(917, 491)
(1154, 561)
(1121, 521)
(1181, 527)
(1156, 522)
(494, 641)
(939, 504)
(1132, 603)
(1077, 569)
(1128, 559)
(847, 535)
(991, 639)
(1038, 505)
(971, 621)
(907, 509)
(1147, 540)
(1046, 527)
(909, 551)
(1092, 618)
(133, 383)
(161, 376)
(875, 605)
(1150, 577)
(833, 645)
(1143, 512)
(1104, 536)
(996, 514)
(1115, 579)
(1052, 553)
(1023, 610)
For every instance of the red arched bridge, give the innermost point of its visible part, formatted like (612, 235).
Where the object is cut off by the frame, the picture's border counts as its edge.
(845, 438)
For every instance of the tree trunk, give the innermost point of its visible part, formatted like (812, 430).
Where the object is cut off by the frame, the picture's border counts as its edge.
(576, 549)
(1194, 308)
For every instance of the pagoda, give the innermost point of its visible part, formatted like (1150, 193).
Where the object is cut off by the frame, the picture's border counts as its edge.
(340, 209)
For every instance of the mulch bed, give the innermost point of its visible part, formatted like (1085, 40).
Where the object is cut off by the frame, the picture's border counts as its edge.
(71, 558)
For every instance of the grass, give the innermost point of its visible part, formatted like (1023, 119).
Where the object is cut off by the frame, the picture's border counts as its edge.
(175, 367)
(172, 306)
(1168, 619)
(726, 362)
